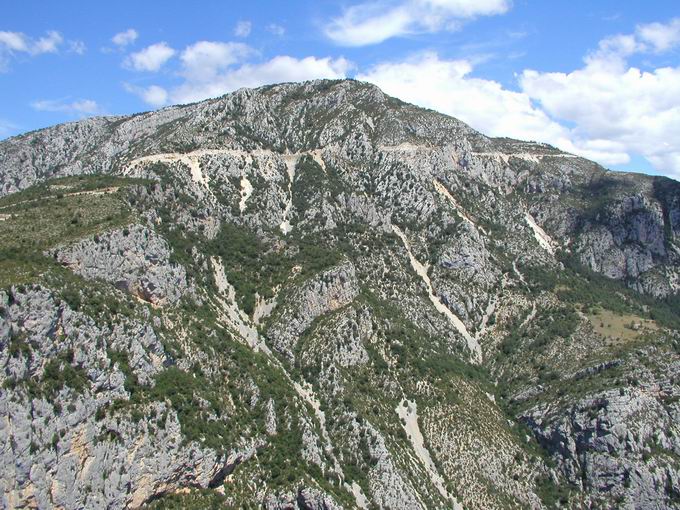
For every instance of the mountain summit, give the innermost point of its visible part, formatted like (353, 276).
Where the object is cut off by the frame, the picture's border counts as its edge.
(316, 296)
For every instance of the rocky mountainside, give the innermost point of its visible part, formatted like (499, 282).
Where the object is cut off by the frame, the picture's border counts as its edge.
(316, 296)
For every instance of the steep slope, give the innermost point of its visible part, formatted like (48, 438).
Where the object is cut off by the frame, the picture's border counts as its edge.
(316, 296)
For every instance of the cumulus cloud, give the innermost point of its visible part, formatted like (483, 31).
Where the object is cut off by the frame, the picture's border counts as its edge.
(243, 29)
(607, 110)
(651, 38)
(622, 108)
(204, 60)
(77, 47)
(150, 58)
(14, 43)
(47, 44)
(153, 95)
(446, 86)
(212, 68)
(278, 69)
(660, 36)
(125, 38)
(375, 21)
(276, 29)
(79, 108)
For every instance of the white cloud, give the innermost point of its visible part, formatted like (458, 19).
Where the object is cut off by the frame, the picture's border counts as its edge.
(150, 58)
(154, 95)
(602, 133)
(661, 36)
(80, 107)
(649, 38)
(122, 39)
(13, 43)
(611, 102)
(639, 111)
(614, 50)
(446, 86)
(77, 47)
(212, 68)
(243, 29)
(276, 29)
(616, 110)
(47, 44)
(278, 69)
(375, 21)
(204, 60)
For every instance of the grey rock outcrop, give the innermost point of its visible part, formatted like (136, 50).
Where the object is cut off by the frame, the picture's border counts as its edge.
(306, 498)
(328, 291)
(62, 445)
(134, 259)
(620, 445)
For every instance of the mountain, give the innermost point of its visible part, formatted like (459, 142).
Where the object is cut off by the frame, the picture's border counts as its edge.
(316, 296)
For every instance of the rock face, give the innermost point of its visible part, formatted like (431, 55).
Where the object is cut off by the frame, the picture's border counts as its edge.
(326, 293)
(631, 243)
(315, 296)
(61, 446)
(134, 259)
(305, 499)
(606, 443)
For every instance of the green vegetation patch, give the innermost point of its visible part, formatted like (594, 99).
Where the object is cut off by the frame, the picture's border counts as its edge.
(59, 372)
(203, 499)
(308, 175)
(54, 212)
(254, 266)
(535, 336)
(620, 327)
(582, 288)
(63, 186)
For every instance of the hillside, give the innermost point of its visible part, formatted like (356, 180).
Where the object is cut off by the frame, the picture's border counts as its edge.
(317, 296)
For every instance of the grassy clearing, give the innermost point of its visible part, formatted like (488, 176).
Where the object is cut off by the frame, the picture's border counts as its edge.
(44, 223)
(16, 270)
(37, 219)
(63, 186)
(621, 328)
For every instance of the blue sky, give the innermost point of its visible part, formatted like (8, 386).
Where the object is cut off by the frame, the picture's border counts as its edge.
(601, 79)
